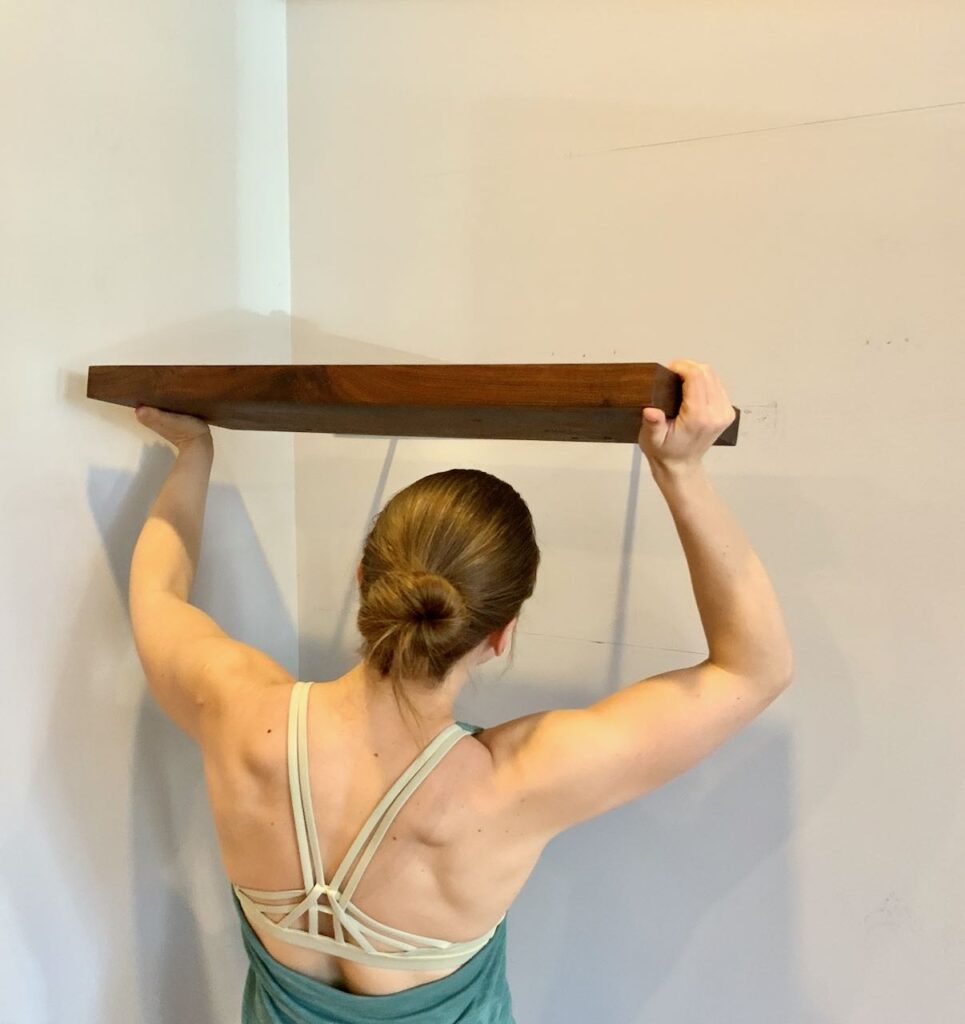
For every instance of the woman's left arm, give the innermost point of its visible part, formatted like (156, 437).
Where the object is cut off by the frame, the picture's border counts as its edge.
(191, 664)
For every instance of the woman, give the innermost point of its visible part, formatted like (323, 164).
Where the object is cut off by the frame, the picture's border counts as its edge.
(374, 844)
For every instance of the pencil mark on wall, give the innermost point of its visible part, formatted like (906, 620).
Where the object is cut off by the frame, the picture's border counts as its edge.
(892, 912)
(764, 418)
(895, 342)
(770, 128)
(610, 643)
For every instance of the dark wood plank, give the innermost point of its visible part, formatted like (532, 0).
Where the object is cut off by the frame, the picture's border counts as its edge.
(524, 401)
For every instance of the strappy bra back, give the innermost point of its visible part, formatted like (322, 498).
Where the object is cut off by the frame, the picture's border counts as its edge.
(409, 951)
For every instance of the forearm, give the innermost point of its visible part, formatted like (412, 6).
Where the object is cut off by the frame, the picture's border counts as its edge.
(166, 553)
(738, 607)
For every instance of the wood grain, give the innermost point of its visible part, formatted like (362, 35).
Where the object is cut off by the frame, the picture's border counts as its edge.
(520, 401)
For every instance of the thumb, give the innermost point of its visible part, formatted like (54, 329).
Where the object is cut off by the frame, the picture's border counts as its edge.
(653, 428)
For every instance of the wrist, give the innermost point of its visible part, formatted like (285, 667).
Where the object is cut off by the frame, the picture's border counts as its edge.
(198, 443)
(670, 474)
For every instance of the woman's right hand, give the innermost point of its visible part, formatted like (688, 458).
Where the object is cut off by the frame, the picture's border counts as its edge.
(704, 414)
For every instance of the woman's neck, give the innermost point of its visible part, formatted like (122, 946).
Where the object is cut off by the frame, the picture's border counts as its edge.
(373, 696)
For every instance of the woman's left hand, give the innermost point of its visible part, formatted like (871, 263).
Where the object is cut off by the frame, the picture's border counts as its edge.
(175, 427)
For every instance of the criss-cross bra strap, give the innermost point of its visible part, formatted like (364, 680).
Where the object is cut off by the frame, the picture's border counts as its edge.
(309, 849)
(346, 916)
(381, 818)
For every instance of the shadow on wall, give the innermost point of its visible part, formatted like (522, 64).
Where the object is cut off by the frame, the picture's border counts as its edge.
(235, 336)
(186, 941)
(223, 337)
(682, 905)
(644, 898)
(116, 840)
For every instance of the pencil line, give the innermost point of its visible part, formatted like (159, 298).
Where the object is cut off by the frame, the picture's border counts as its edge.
(770, 128)
(607, 643)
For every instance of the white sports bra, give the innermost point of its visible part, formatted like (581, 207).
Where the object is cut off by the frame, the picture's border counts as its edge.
(412, 952)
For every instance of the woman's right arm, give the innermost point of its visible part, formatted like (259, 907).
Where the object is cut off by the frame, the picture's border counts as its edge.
(558, 768)
(739, 610)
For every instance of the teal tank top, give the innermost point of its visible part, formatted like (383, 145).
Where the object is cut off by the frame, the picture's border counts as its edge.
(475, 993)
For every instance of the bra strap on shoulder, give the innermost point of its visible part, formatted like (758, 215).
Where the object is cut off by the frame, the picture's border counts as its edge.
(295, 789)
(299, 783)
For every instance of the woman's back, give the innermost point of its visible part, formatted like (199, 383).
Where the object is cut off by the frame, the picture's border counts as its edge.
(450, 865)
(445, 570)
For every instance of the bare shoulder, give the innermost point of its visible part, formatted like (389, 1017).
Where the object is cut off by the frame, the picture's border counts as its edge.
(248, 728)
(507, 794)
(505, 739)
(555, 769)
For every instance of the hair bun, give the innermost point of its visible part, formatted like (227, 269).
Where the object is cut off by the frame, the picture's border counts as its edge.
(420, 598)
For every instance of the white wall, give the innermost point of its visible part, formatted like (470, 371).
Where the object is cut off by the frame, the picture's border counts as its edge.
(774, 189)
(143, 219)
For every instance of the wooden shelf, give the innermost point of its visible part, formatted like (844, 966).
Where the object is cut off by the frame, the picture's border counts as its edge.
(522, 401)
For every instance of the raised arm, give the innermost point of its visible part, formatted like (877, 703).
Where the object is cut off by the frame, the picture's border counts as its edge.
(558, 768)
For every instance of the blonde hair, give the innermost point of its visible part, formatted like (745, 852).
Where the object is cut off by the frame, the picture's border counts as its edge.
(449, 560)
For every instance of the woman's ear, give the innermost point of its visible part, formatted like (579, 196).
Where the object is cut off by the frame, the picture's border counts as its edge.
(358, 574)
(501, 639)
